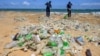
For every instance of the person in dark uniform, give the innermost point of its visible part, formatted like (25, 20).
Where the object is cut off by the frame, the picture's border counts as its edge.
(69, 8)
(48, 6)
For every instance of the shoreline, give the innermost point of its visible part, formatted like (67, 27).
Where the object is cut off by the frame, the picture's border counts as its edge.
(54, 10)
(92, 13)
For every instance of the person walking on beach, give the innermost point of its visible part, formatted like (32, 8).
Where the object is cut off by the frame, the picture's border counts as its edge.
(48, 6)
(69, 8)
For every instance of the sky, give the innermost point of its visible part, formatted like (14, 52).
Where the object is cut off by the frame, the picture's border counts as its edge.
(56, 4)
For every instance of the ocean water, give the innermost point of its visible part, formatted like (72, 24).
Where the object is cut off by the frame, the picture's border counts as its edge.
(54, 10)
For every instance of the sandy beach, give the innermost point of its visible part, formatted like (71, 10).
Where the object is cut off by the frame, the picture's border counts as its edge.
(10, 21)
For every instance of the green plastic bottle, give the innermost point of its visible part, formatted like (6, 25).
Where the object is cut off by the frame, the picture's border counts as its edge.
(62, 32)
(62, 52)
(20, 38)
(53, 43)
(20, 41)
(29, 36)
(48, 54)
(65, 45)
(20, 44)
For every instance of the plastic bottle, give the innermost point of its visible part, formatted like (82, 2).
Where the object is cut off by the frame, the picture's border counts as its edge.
(48, 54)
(53, 37)
(43, 33)
(60, 52)
(53, 43)
(61, 32)
(65, 45)
(29, 36)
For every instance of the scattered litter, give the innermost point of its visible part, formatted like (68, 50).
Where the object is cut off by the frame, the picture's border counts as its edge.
(98, 43)
(11, 45)
(33, 54)
(88, 52)
(80, 40)
(20, 19)
(48, 40)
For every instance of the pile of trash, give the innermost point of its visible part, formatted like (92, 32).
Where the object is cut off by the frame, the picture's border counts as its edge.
(70, 24)
(49, 38)
(46, 41)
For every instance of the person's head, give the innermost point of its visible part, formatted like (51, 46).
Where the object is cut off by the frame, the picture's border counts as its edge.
(49, 1)
(69, 2)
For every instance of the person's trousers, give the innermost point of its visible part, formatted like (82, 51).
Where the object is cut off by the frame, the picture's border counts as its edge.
(48, 14)
(69, 13)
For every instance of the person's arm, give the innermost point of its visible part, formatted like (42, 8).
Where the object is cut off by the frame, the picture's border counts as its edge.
(71, 4)
(45, 3)
(50, 6)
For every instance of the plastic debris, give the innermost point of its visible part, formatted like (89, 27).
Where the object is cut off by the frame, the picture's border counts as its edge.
(52, 44)
(37, 39)
(65, 45)
(98, 43)
(80, 40)
(47, 41)
(47, 54)
(33, 54)
(28, 36)
(11, 45)
(88, 52)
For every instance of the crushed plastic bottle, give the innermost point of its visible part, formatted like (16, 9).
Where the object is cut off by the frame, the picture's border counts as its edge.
(11, 45)
(53, 37)
(46, 49)
(80, 40)
(20, 38)
(20, 41)
(53, 43)
(37, 39)
(62, 51)
(48, 54)
(43, 33)
(65, 45)
(61, 32)
(29, 36)
(20, 44)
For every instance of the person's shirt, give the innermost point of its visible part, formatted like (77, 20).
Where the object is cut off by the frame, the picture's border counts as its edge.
(69, 5)
(48, 5)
